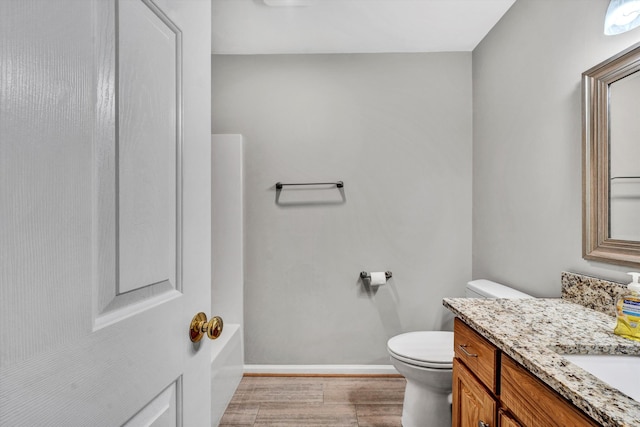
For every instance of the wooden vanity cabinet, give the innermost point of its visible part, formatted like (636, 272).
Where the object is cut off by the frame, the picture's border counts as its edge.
(492, 390)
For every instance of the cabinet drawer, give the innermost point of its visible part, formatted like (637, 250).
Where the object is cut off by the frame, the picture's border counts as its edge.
(480, 356)
(533, 403)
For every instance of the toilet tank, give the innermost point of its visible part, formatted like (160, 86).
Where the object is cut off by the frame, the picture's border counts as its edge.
(487, 289)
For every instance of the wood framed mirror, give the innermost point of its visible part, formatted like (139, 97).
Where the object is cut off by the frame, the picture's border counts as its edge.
(611, 160)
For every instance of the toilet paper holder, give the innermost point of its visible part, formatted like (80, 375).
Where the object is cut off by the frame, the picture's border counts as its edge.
(365, 275)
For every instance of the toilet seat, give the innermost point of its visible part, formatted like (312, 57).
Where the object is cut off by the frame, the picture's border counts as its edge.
(427, 349)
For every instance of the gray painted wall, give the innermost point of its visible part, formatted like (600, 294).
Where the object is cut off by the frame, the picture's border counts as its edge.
(527, 142)
(396, 128)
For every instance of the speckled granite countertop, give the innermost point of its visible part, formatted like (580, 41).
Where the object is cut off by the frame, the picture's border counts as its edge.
(536, 332)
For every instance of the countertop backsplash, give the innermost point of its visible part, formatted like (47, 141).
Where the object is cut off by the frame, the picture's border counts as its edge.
(598, 294)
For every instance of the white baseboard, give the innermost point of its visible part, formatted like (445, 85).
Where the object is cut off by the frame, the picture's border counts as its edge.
(321, 369)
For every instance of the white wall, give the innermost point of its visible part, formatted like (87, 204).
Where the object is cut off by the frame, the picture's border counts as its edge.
(396, 129)
(527, 142)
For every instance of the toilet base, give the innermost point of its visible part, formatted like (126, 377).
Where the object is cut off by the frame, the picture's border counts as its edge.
(423, 407)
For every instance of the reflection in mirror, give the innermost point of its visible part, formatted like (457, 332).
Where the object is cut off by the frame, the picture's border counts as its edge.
(624, 158)
(611, 160)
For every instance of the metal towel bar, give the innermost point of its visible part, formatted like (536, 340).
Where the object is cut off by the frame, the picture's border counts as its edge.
(338, 184)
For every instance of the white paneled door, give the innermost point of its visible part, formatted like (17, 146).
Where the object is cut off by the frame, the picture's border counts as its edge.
(104, 212)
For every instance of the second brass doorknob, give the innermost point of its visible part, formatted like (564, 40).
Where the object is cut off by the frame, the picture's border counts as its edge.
(199, 326)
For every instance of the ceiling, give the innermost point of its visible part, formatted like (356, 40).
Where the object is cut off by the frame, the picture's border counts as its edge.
(352, 26)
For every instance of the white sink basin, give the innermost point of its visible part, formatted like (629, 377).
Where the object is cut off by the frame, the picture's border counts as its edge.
(620, 372)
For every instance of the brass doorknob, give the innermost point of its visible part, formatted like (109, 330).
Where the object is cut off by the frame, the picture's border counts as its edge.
(199, 326)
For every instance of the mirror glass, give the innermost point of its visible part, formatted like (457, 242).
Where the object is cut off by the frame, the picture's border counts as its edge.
(611, 160)
(624, 152)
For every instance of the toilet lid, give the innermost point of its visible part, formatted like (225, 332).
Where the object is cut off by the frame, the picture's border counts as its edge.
(432, 349)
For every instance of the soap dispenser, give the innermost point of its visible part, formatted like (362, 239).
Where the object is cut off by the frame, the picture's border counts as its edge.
(628, 310)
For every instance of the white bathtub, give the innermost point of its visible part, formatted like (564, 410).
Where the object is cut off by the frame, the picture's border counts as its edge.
(226, 369)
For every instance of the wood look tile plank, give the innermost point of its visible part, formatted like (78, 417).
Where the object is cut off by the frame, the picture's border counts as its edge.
(316, 402)
(382, 391)
(312, 415)
(379, 415)
(273, 390)
(275, 381)
(252, 383)
(243, 414)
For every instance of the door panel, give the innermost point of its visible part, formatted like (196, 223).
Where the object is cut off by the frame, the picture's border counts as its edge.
(161, 411)
(148, 147)
(138, 164)
(100, 207)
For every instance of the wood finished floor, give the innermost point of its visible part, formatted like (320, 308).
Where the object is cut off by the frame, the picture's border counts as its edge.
(316, 402)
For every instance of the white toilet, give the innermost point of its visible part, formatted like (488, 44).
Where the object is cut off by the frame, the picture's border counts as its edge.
(425, 359)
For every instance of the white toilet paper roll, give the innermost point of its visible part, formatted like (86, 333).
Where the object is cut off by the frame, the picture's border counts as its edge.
(378, 278)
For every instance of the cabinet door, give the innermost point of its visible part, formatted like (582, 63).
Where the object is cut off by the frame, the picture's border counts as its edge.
(473, 405)
(506, 420)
